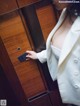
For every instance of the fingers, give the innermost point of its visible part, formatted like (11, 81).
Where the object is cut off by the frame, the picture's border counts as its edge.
(28, 57)
(31, 54)
(27, 51)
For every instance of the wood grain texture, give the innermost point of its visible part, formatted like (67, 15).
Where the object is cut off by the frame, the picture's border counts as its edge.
(7, 6)
(14, 36)
(47, 19)
(12, 78)
(23, 3)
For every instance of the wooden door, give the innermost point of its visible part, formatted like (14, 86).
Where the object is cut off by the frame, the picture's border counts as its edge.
(15, 41)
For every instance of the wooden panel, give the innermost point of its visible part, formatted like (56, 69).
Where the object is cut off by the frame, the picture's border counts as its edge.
(14, 37)
(23, 3)
(41, 101)
(12, 78)
(47, 19)
(7, 6)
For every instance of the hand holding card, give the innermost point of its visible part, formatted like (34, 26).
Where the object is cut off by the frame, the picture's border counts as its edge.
(23, 57)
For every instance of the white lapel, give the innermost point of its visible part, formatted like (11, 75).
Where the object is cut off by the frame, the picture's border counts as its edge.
(61, 19)
(70, 40)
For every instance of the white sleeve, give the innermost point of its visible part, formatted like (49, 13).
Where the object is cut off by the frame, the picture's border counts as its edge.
(42, 56)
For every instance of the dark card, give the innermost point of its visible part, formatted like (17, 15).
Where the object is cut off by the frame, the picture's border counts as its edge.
(22, 57)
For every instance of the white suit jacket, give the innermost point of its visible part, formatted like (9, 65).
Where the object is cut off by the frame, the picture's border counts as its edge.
(67, 71)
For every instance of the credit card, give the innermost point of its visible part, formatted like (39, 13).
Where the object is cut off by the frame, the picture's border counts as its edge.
(22, 57)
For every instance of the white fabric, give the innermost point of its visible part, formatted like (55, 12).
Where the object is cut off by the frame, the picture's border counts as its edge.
(67, 70)
(42, 56)
(56, 51)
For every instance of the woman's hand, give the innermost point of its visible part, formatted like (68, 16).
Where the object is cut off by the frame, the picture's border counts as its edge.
(32, 54)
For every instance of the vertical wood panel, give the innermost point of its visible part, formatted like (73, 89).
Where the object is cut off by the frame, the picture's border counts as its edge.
(14, 36)
(47, 19)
